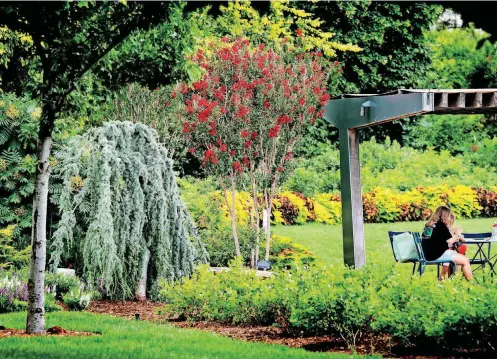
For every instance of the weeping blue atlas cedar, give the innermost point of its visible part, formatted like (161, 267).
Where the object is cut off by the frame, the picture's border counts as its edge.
(121, 211)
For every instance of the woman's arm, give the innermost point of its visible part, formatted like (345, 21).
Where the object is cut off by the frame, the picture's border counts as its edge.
(453, 239)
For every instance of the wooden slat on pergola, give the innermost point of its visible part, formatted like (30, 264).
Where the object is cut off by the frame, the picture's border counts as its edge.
(354, 111)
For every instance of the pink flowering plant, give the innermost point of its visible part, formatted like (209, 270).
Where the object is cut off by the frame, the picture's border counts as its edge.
(243, 119)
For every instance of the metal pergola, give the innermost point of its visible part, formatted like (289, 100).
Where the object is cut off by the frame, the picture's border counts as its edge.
(349, 113)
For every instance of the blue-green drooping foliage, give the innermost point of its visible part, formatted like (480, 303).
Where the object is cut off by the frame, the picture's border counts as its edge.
(121, 210)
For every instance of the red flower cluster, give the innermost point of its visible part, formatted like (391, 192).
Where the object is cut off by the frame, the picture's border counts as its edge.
(242, 111)
(274, 131)
(200, 85)
(237, 166)
(210, 156)
(213, 128)
(282, 120)
(186, 127)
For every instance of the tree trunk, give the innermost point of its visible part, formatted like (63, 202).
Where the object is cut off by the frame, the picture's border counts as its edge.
(35, 321)
(252, 244)
(233, 225)
(141, 290)
(267, 229)
(233, 218)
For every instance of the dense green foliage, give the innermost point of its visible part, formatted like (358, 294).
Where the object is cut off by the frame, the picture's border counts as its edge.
(121, 211)
(373, 301)
(394, 52)
(11, 254)
(136, 340)
(18, 124)
(388, 165)
(461, 58)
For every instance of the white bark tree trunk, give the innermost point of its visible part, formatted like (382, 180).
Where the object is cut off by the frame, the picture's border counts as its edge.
(35, 321)
(141, 290)
(267, 231)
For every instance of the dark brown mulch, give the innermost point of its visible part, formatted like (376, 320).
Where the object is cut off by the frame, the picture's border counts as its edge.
(145, 310)
(267, 334)
(56, 331)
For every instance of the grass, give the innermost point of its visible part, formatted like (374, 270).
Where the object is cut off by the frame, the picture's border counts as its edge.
(326, 241)
(122, 338)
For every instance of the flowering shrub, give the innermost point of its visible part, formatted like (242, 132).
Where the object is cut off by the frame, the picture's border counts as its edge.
(13, 294)
(243, 119)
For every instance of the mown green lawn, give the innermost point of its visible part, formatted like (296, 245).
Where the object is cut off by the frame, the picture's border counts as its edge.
(326, 241)
(122, 338)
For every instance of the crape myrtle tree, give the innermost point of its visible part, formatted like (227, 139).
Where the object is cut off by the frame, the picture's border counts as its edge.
(122, 211)
(243, 119)
(69, 39)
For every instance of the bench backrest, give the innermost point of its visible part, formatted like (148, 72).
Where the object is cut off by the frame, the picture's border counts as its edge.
(419, 247)
(392, 234)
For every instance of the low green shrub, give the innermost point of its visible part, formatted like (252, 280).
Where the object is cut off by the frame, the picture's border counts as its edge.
(61, 284)
(371, 302)
(285, 254)
(77, 299)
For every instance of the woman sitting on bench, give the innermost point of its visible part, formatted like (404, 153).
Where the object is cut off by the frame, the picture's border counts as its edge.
(437, 238)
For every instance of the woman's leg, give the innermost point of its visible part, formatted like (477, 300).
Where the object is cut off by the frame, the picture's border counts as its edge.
(463, 261)
(444, 272)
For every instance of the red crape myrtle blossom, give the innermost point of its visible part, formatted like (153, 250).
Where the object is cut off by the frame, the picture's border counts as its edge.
(249, 110)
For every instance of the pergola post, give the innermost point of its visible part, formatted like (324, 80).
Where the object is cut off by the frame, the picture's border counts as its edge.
(354, 251)
(352, 112)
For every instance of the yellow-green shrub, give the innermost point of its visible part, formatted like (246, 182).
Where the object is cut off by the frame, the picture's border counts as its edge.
(285, 254)
(332, 205)
(380, 205)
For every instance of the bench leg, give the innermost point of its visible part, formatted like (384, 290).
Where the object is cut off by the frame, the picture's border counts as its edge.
(414, 268)
(421, 268)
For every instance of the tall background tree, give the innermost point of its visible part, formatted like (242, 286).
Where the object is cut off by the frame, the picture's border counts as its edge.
(69, 39)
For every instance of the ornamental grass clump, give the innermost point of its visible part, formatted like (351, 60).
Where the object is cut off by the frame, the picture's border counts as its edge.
(121, 211)
(244, 118)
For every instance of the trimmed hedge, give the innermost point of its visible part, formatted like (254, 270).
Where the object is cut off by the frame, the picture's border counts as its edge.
(380, 205)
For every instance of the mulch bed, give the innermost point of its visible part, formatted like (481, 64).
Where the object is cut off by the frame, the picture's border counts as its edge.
(148, 311)
(53, 331)
(128, 309)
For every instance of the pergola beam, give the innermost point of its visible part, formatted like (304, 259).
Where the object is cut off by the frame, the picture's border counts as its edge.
(349, 113)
